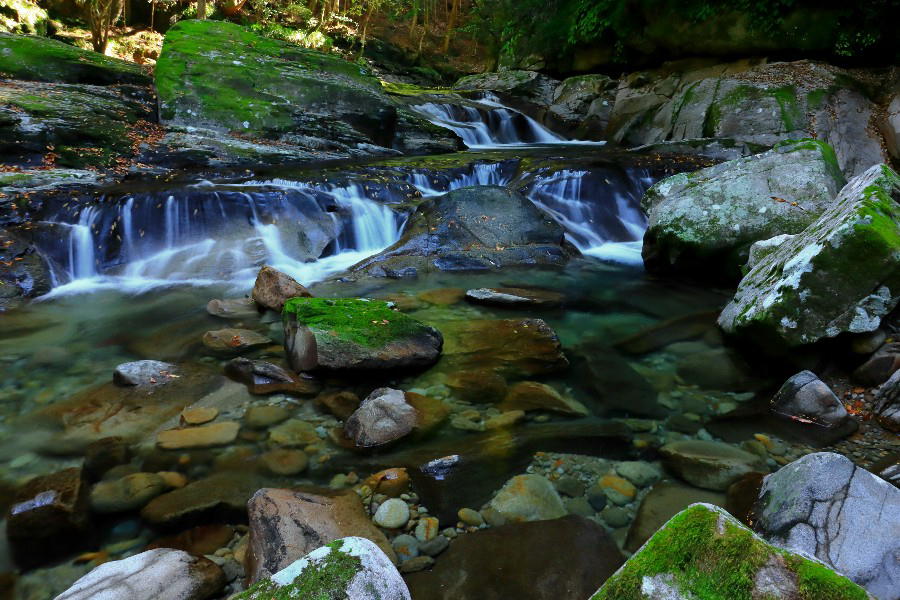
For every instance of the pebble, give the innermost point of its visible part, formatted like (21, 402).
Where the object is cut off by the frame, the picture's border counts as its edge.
(199, 415)
(262, 416)
(427, 529)
(615, 517)
(205, 436)
(618, 490)
(435, 546)
(285, 462)
(470, 517)
(394, 513)
(597, 498)
(578, 506)
(406, 547)
(418, 563)
(639, 473)
(570, 486)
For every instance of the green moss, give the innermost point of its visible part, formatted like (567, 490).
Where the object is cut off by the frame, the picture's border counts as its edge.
(826, 151)
(370, 323)
(326, 579)
(409, 89)
(711, 557)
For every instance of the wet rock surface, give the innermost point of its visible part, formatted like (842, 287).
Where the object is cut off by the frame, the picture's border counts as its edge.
(383, 417)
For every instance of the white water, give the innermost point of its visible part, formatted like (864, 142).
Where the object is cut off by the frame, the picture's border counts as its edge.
(188, 254)
(481, 174)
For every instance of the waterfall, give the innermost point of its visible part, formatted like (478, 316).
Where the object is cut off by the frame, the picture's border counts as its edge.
(486, 123)
(209, 233)
(435, 184)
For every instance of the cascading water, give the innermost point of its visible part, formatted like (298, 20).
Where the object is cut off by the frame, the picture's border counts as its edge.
(218, 233)
(494, 173)
(486, 123)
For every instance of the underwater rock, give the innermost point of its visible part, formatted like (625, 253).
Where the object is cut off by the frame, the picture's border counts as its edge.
(709, 465)
(233, 308)
(131, 492)
(528, 498)
(262, 377)
(515, 297)
(234, 341)
(204, 436)
(144, 372)
(532, 395)
(664, 501)
(221, 496)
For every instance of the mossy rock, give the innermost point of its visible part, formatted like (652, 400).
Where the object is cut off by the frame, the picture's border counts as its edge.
(42, 59)
(704, 222)
(840, 275)
(352, 333)
(79, 125)
(703, 553)
(218, 75)
(350, 568)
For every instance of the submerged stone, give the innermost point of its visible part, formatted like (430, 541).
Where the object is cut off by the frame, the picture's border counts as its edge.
(351, 333)
(710, 465)
(839, 275)
(704, 552)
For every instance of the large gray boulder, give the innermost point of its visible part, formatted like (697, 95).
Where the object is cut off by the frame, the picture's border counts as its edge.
(352, 568)
(841, 274)
(160, 574)
(478, 228)
(704, 222)
(822, 505)
(760, 104)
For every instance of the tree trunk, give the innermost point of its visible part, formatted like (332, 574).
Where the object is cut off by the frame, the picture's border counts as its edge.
(201, 9)
(365, 28)
(451, 24)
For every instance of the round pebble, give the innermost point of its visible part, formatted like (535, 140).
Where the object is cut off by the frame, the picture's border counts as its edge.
(406, 547)
(470, 517)
(392, 514)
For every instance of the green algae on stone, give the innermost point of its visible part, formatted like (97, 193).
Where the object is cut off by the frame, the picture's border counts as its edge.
(841, 274)
(703, 553)
(38, 58)
(353, 333)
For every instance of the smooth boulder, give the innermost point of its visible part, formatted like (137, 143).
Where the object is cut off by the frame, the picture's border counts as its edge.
(709, 465)
(703, 223)
(383, 417)
(273, 288)
(840, 275)
(823, 505)
(807, 400)
(350, 333)
(528, 498)
(160, 574)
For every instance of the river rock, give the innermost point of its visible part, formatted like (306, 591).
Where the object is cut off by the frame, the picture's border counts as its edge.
(285, 461)
(518, 85)
(748, 102)
(709, 465)
(301, 98)
(198, 415)
(431, 413)
(704, 222)
(880, 366)
(204, 436)
(234, 341)
(839, 275)
(222, 496)
(383, 417)
(391, 482)
(528, 498)
(662, 502)
(273, 288)
(531, 395)
(887, 403)
(262, 377)
(704, 548)
(480, 228)
(806, 399)
(392, 514)
(583, 105)
(233, 308)
(507, 562)
(49, 517)
(261, 416)
(24, 273)
(355, 334)
(157, 574)
(286, 524)
(514, 297)
(638, 472)
(144, 372)
(350, 567)
(131, 492)
(823, 505)
(293, 433)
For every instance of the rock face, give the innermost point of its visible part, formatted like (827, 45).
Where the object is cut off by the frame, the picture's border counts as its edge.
(144, 372)
(355, 334)
(583, 105)
(287, 524)
(478, 228)
(822, 505)
(709, 465)
(887, 403)
(704, 222)
(383, 417)
(152, 575)
(759, 104)
(839, 275)
(352, 568)
(528, 498)
(704, 552)
(49, 517)
(299, 97)
(514, 561)
(804, 398)
(273, 288)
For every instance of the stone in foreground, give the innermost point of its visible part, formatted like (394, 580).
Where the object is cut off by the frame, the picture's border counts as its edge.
(350, 568)
(350, 333)
(160, 574)
(842, 274)
(823, 505)
(703, 552)
(704, 222)
(383, 417)
(273, 288)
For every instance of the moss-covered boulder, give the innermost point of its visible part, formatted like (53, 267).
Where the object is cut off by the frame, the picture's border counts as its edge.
(72, 125)
(38, 58)
(704, 222)
(750, 103)
(220, 76)
(478, 228)
(703, 552)
(841, 274)
(351, 568)
(352, 333)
